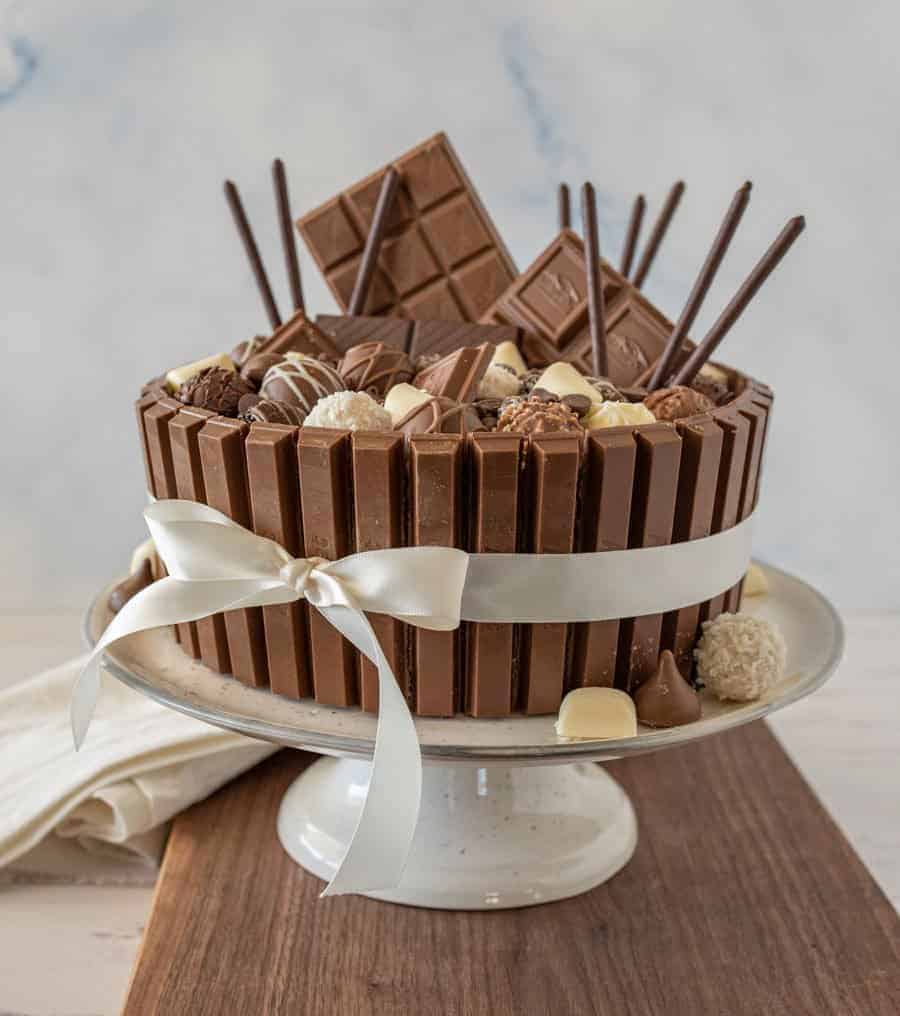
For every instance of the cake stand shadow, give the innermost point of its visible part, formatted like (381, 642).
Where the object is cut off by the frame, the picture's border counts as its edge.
(512, 815)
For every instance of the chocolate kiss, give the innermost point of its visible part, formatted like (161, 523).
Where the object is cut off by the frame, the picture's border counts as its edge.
(131, 586)
(666, 699)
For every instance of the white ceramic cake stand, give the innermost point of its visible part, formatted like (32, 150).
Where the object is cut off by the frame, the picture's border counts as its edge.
(512, 815)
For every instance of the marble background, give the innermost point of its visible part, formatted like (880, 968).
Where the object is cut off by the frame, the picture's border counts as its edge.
(118, 122)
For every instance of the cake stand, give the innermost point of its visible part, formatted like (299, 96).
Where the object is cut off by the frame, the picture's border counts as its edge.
(512, 815)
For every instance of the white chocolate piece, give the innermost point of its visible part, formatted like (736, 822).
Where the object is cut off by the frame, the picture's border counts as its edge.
(755, 581)
(499, 383)
(141, 554)
(178, 375)
(713, 373)
(508, 354)
(618, 414)
(402, 399)
(597, 714)
(562, 378)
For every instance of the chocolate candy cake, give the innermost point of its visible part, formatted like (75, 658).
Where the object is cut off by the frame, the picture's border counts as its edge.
(494, 431)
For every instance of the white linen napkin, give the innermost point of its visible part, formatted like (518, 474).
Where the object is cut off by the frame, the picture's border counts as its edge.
(141, 765)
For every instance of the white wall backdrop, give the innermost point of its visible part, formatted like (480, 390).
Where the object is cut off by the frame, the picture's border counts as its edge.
(118, 122)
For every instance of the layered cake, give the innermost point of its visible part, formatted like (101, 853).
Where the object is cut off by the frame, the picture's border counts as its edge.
(458, 402)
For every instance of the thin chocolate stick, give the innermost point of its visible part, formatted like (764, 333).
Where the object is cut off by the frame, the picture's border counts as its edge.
(704, 280)
(660, 228)
(595, 285)
(564, 206)
(252, 251)
(633, 233)
(738, 303)
(288, 243)
(373, 242)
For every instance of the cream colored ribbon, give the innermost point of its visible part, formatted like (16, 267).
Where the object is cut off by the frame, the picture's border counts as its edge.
(216, 565)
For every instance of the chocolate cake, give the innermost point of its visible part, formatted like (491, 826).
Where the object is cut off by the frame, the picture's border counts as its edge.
(537, 471)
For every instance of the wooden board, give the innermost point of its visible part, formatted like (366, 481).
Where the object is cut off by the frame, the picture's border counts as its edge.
(743, 898)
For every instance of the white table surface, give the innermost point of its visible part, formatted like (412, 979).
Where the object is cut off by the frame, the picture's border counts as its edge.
(89, 915)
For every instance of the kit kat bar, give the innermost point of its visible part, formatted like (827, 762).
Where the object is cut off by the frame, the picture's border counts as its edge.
(701, 452)
(379, 470)
(553, 463)
(275, 513)
(184, 430)
(223, 462)
(325, 480)
(435, 514)
(141, 406)
(652, 520)
(605, 511)
(159, 448)
(494, 469)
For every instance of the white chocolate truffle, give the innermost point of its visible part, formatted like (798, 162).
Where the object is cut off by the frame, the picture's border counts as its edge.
(740, 657)
(178, 375)
(597, 714)
(142, 553)
(755, 582)
(618, 414)
(402, 399)
(562, 378)
(499, 382)
(507, 353)
(349, 411)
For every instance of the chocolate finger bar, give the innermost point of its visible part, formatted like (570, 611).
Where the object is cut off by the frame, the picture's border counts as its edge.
(379, 470)
(224, 465)
(184, 431)
(495, 474)
(274, 509)
(441, 259)
(435, 513)
(553, 465)
(324, 459)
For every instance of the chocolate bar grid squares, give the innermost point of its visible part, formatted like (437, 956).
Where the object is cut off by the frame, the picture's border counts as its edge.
(442, 256)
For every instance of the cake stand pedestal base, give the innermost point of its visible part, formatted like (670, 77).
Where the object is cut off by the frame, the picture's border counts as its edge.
(489, 837)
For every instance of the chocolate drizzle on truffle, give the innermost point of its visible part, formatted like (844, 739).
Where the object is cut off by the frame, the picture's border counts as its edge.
(375, 368)
(300, 381)
(440, 415)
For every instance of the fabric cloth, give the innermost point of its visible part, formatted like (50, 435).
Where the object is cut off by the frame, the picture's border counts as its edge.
(142, 764)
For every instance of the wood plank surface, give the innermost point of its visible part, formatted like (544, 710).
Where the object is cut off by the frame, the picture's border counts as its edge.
(742, 897)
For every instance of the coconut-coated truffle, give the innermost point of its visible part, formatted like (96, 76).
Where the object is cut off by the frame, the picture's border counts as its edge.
(740, 657)
(349, 411)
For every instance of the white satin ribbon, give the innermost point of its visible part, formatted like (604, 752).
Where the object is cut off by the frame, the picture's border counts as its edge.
(215, 565)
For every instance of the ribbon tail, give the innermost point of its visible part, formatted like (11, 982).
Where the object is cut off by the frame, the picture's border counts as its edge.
(380, 846)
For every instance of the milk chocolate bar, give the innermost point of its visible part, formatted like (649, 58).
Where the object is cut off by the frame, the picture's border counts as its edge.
(325, 479)
(147, 399)
(184, 430)
(379, 470)
(347, 331)
(606, 509)
(494, 470)
(435, 512)
(441, 259)
(701, 452)
(457, 375)
(224, 466)
(299, 335)
(274, 509)
(552, 476)
(652, 519)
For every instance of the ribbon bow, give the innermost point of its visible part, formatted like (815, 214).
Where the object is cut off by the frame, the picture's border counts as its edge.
(216, 565)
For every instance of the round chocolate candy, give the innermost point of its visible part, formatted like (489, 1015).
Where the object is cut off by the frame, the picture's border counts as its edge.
(677, 403)
(374, 367)
(254, 370)
(215, 389)
(269, 411)
(440, 415)
(534, 416)
(300, 381)
(244, 350)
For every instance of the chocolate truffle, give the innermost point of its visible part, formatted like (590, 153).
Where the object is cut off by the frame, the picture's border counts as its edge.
(349, 411)
(666, 699)
(215, 389)
(717, 392)
(532, 416)
(269, 411)
(677, 403)
(440, 415)
(300, 381)
(131, 586)
(374, 367)
(246, 349)
(254, 369)
(740, 657)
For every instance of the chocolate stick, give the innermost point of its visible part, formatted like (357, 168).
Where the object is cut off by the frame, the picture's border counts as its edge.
(595, 286)
(292, 264)
(632, 234)
(708, 271)
(660, 228)
(252, 251)
(373, 241)
(564, 206)
(738, 303)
